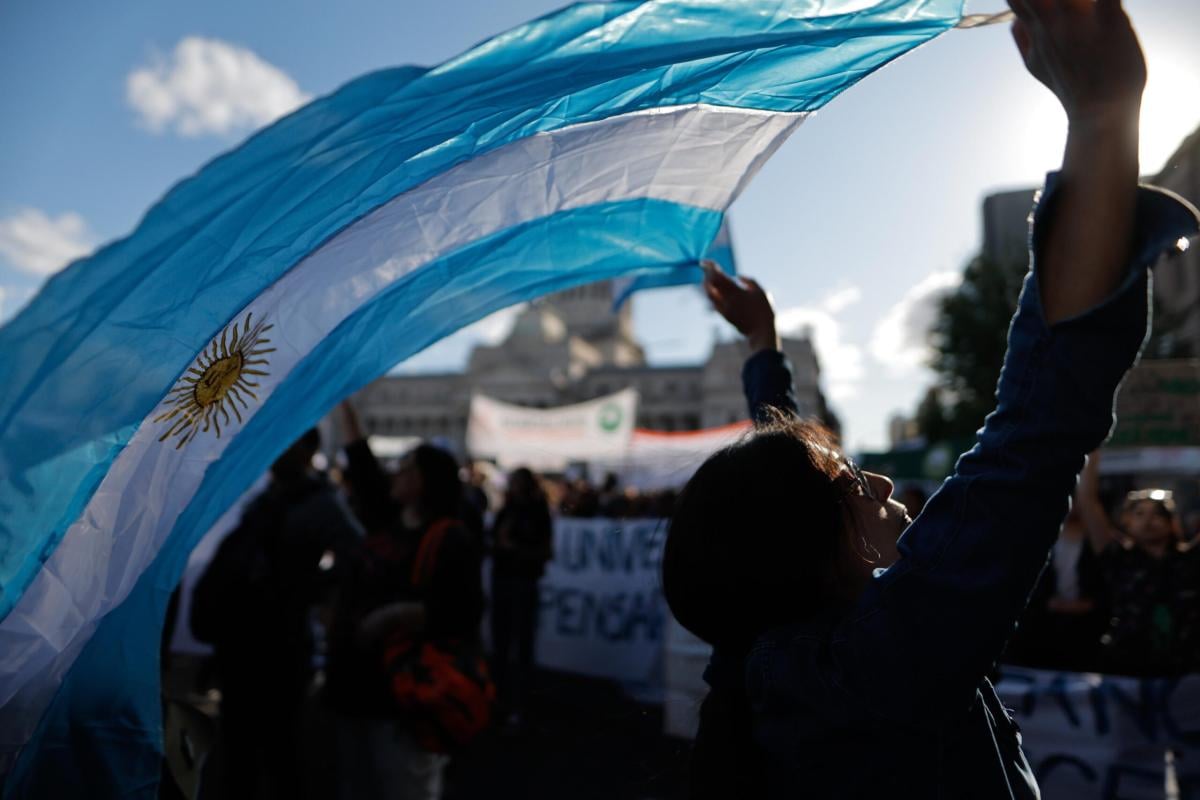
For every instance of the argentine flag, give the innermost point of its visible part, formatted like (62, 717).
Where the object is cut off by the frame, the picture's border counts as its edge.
(149, 384)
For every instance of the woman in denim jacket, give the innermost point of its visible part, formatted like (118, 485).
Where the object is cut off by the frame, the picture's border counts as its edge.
(850, 661)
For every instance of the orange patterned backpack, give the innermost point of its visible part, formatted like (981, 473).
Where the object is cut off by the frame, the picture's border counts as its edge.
(444, 686)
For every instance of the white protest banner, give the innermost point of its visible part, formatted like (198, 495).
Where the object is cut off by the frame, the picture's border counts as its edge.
(602, 612)
(551, 438)
(667, 460)
(1102, 737)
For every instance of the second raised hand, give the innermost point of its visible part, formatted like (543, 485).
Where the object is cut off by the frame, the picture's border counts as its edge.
(744, 304)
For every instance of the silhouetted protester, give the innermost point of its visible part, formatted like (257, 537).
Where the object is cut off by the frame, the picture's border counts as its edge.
(473, 489)
(416, 581)
(1152, 579)
(613, 501)
(521, 540)
(1066, 616)
(849, 662)
(254, 605)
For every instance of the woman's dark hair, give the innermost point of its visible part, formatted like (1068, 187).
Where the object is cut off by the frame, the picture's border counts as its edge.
(757, 538)
(441, 493)
(524, 476)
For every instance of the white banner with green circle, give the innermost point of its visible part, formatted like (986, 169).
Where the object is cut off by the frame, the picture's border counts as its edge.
(551, 438)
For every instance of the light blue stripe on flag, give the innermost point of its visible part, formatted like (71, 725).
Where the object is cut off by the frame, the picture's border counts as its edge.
(358, 227)
(719, 251)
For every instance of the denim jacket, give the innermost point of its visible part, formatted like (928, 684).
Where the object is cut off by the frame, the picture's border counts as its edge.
(891, 699)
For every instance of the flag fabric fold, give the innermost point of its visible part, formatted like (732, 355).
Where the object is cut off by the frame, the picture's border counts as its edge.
(147, 385)
(719, 252)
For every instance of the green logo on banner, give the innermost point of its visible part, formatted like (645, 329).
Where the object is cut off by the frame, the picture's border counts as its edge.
(610, 417)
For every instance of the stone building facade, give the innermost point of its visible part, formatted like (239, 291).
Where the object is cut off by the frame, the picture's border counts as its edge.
(568, 348)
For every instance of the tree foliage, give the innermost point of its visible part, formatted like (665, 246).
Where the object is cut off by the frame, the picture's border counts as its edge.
(969, 337)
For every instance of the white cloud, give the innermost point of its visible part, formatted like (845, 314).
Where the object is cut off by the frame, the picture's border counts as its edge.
(210, 86)
(13, 299)
(841, 361)
(900, 341)
(841, 299)
(37, 243)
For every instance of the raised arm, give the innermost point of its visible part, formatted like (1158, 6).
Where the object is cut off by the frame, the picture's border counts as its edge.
(766, 376)
(1100, 530)
(1086, 52)
(366, 475)
(936, 622)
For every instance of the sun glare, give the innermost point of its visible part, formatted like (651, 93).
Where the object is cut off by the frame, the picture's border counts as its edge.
(1170, 111)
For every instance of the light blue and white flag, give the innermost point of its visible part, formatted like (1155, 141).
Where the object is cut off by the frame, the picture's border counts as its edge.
(719, 251)
(149, 384)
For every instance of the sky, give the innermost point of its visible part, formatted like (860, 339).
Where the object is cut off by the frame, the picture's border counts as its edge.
(857, 225)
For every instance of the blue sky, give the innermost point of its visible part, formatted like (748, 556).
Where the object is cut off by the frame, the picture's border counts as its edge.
(868, 212)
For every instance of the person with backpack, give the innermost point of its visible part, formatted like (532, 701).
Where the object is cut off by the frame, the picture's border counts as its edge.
(254, 604)
(851, 645)
(406, 679)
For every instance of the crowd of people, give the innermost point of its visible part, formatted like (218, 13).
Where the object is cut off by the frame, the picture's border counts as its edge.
(581, 498)
(1121, 593)
(833, 635)
(371, 591)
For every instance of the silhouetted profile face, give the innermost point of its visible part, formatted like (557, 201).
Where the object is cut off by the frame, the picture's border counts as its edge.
(874, 522)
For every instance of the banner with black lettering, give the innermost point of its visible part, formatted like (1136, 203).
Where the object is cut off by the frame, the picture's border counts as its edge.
(602, 610)
(1104, 737)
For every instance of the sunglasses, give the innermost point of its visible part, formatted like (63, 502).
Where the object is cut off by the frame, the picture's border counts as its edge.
(860, 478)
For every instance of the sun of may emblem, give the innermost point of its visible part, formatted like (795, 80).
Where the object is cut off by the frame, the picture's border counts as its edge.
(217, 382)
